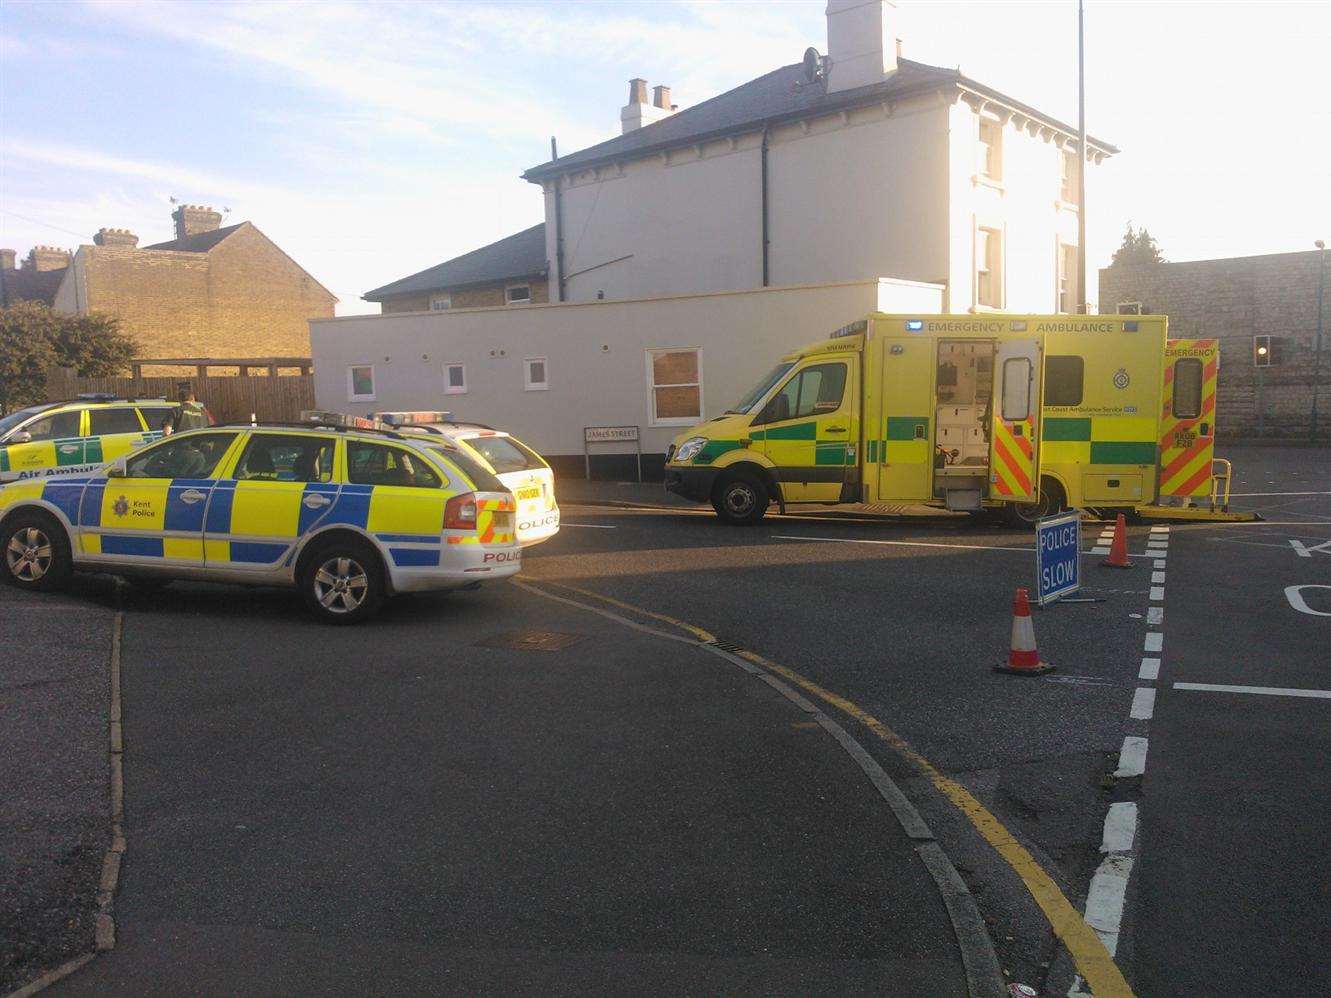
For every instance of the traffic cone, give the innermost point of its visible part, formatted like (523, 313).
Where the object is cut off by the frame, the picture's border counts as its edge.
(1118, 550)
(1022, 658)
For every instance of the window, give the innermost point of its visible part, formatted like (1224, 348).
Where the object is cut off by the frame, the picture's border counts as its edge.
(455, 379)
(989, 268)
(360, 383)
(273, 457)
(505, 454)
(1130, 308)
(533, 374)
(481, 477)
(158, 416)
(1069, 163)
(102, 422)
(518, 294)
(57, 426)
(814, 391)
(675, 380)
(1016, 388)
(440, 303)
(1063, 378)
(378, 464)
(990, 164)
(194, 456)
(1067, 278)
(1187, 388)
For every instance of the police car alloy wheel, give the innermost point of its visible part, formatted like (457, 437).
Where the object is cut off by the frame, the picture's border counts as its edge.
(740, 498)
(342, 582)
(36, 552)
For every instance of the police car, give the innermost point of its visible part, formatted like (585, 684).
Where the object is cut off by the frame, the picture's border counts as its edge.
(75, 436)
(520, 468)
(342, 508)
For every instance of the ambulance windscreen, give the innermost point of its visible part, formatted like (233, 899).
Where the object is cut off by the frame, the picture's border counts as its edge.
(747, 403)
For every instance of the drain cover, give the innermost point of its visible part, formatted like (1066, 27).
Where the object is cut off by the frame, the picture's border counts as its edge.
(532, 640)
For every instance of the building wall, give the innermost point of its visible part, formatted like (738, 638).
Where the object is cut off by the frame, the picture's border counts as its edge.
(596, 353)
(1233, 300)
(482, 297)
(245, 298)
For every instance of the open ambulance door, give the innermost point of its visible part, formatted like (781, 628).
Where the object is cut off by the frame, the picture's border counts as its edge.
(1187, 422)
(1013, 440)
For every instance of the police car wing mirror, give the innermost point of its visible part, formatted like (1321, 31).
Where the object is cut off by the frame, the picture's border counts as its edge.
(20, 437)
(117, 469)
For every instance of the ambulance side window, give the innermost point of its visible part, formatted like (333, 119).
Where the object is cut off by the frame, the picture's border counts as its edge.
(1016, 388)
(1187, 388)
(813, 391)
(1063, 378)
(103, 422)
(55, 427)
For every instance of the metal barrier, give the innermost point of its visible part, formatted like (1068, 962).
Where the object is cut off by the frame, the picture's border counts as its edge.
(1219, 497)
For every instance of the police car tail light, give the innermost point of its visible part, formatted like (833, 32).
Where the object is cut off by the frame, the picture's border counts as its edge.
(460, 512)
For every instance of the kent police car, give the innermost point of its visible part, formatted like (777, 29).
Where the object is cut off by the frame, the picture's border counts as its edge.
(521, 469)
(341, 508)
(75, 436)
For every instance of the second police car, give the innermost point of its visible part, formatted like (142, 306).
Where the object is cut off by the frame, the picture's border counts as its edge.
(347, 513)
(525, 472)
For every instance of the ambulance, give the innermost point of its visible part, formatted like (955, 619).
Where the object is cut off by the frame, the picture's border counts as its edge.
(1019, 414)
(74, 436)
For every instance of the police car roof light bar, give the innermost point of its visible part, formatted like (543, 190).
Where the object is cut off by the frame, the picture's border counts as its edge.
(422, 418)
(266, 424)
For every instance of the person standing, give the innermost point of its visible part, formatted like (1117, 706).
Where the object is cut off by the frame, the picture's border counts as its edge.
(191, 413)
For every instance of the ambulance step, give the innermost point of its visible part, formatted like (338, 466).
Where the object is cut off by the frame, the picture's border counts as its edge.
(1195, 514)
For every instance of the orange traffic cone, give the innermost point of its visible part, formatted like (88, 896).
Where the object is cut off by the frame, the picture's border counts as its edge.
(1118, 550)
(1022, 658)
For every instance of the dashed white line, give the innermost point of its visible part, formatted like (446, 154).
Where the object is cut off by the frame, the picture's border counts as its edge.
(1104, 903)
(1158, 577)
(1150, 669)
(1159, 563)
(1099, 550)
(1246, 494)
(1120, 827)
(1143, 704)
(1157, 593)
(1154, 641)
(904, 544)
(1270, 691)
(591, 526)
(1131, 758)
(1155, 615)
(1159, 529)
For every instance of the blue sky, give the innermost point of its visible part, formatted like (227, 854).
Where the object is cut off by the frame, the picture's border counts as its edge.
(371, 140)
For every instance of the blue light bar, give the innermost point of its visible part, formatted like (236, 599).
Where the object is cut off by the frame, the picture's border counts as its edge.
(914, 325)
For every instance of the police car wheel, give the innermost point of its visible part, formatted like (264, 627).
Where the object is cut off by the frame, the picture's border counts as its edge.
(36, 552)
(342, 582)
(740, 498)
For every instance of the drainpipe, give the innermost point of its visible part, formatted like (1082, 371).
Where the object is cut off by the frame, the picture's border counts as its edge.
(559, 224)
(764, 207)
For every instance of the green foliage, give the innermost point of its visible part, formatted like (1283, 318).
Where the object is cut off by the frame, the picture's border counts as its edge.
(34, 339)
(1138, 247)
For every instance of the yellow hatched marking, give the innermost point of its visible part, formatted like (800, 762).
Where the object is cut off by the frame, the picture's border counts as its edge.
(1000, 467)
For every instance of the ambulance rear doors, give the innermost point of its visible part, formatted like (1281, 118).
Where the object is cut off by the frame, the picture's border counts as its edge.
(1187, 418)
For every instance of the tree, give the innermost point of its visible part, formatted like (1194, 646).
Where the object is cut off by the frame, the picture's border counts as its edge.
(1138, 247)
(33, 339)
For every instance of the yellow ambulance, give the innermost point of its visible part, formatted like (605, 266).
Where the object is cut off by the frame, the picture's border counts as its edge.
(75, 436)
(1026, 414)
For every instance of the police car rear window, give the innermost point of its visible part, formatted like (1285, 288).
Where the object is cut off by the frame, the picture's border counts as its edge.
(505, 454)
(379, 464)
(482, 479)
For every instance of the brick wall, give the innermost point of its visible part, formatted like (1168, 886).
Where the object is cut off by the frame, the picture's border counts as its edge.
(487, 296)
(1233, 300)
(245, 298)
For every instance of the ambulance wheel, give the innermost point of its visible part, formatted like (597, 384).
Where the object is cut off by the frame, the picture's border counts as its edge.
(342, 581)
(1051, 501)
(740, 498)
(36, 552)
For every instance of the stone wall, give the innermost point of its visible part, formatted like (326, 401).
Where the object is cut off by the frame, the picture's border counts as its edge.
(1235, 299)
(487, 296)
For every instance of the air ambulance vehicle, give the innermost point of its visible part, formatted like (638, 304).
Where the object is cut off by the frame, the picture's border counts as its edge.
(1023, 415)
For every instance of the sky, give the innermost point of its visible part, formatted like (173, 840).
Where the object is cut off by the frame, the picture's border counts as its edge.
(372, 140)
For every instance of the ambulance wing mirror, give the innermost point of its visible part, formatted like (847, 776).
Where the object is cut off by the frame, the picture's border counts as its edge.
(20, 437)
(117, 469)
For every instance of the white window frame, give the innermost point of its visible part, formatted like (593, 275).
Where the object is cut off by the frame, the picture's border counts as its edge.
(652, 418)
(351, 384)
(1000, 230)
(441, 302)
(535, 386)
(450, 389)
(1060, 275)
(517, 301)
(982, 169)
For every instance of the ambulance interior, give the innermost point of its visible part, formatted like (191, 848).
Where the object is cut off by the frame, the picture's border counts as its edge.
(964, 384)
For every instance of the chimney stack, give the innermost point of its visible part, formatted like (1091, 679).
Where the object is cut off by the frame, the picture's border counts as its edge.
(638, 112)
(115, 237)
(46, 258)
(861, 43)
(192, 219)
(7, 258)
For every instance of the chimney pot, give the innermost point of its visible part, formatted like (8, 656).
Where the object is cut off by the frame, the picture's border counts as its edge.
(661, 97)
(7, 258)
(637, 91)
(192, 219)
(46, 258)
(116, 237)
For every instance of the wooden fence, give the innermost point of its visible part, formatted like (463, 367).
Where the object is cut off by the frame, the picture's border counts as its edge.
(230, 399)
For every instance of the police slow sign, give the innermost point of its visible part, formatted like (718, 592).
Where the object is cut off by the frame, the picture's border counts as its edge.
(1057, 556)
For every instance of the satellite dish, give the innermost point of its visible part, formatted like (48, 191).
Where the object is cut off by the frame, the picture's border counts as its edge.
(813, 65)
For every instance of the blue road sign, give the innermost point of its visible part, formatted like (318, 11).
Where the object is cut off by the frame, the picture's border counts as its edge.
(1057, 556)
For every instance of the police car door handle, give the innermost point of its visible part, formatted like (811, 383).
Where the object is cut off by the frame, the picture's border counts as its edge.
(192, 496)
(315, 501)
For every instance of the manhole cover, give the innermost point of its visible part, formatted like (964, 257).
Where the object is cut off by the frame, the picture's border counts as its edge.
(532, 640)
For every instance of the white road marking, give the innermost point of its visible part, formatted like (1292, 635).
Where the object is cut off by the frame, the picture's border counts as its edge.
(592, 526)
(1080, 680)
(1247, 494)
(1158, 594)
(1159, 563)
(1131, 758)
(1154, 641)
(1295, 596)
(1104, 902)
(1307, 552)
(1155, 615)
(1159, 529)
(1143, 704)
(1099, 550)
(1120, 827)
(1158, 577)
(1270, 691)
(904, 544)
(1150, 670)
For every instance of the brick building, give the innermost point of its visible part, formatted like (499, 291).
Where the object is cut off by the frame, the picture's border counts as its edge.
(511, 271)
(37, 279)
(1235, 299)
(212, 291)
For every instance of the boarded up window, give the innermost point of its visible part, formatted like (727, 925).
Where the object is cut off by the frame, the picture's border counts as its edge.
(676, 385)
